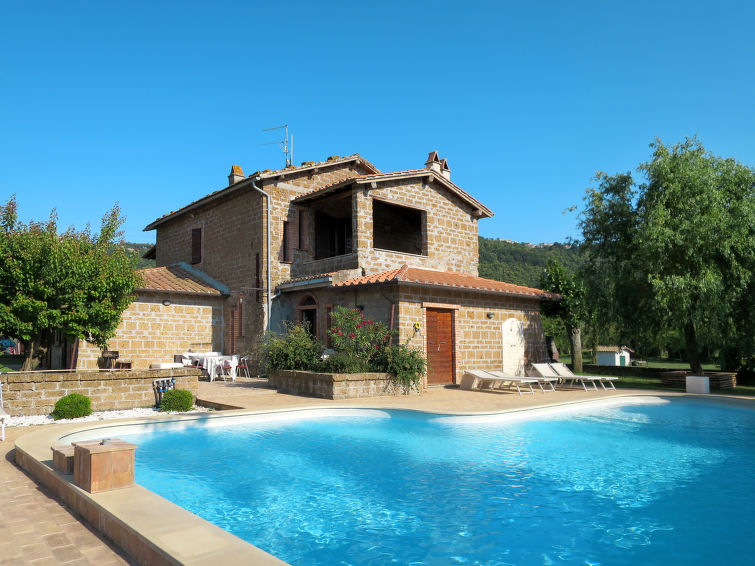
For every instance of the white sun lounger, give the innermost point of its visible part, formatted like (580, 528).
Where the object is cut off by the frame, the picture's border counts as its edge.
(547, 370)
(564, 371)
(548, 381)
(478, 379)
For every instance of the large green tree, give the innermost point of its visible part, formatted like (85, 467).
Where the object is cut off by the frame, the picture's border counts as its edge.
(75, 283)
(678, 249)
(571, 308)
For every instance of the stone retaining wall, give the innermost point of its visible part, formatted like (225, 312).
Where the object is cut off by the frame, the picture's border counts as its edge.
(669, 377)
(35, 392)
(718, 380)
(333, 385)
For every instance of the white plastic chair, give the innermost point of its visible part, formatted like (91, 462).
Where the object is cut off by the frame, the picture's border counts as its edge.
(243, 367)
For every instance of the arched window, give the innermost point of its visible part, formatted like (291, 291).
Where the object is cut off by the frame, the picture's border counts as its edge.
(307, 313)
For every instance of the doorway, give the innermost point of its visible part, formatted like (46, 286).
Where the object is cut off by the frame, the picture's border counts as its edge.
(441, 347)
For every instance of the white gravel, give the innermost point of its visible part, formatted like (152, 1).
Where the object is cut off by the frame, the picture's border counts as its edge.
(99, 416)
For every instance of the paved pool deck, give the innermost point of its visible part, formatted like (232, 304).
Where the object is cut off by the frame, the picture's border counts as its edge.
(40, 530)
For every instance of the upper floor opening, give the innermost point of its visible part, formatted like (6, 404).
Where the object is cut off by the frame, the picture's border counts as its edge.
(333, 231)
(399, 228)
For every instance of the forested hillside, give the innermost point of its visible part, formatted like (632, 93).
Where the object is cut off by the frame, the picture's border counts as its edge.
(504, 261)
(140, 250)
(522, 264)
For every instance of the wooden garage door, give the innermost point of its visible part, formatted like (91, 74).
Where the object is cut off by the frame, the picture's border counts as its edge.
(440, 347)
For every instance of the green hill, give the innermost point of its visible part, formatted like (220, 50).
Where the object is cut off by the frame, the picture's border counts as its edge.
(513, 262)
(140, 250)
(522, 263)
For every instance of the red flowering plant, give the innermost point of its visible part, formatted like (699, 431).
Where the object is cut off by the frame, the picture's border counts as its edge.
(355, 335)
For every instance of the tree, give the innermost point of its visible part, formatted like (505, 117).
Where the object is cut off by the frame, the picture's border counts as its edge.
(571, 308)
(677, 251)
(74, 283)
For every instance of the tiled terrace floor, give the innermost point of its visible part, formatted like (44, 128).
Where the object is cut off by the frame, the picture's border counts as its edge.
(36, 529)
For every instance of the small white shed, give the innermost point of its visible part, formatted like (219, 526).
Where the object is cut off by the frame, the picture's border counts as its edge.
(614, 355)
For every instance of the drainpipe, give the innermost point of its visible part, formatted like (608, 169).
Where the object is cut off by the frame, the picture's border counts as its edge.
(267, 254)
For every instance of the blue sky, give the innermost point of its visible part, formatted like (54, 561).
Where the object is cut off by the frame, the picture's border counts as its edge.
(150, 103)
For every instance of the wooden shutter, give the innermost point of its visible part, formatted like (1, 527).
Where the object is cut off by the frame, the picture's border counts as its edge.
(240, 317)
(302, 244)
(286, 243)
(233, 331)
(196, 245)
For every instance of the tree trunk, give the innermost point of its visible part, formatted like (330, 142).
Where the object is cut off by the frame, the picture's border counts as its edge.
(575, 339)
(29, 350)
(690, 340)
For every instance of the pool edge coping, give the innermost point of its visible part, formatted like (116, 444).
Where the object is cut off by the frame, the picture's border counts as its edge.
(153, 530)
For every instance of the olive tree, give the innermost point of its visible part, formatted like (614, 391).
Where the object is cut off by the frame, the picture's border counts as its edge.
(678, 249)
(75, 282)
(571, 308)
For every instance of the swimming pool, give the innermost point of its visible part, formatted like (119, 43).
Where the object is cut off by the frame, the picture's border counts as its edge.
(656, 483)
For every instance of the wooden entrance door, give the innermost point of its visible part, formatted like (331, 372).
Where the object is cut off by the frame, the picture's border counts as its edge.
(440, 347)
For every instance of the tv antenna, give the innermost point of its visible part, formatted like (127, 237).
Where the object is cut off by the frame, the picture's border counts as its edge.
(288, 146)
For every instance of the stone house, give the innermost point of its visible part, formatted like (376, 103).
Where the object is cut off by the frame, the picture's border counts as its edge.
(294, 243)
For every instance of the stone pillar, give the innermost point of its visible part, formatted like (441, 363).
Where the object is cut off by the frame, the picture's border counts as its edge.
(102, 465)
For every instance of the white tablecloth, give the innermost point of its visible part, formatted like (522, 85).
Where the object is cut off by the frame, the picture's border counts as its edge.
(211, 365)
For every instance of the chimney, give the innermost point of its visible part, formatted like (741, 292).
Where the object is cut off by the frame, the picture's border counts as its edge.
(433, 162)
(444, 170)
(236, 175)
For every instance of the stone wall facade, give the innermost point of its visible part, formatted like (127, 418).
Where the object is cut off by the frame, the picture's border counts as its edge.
(234, 252)
(35, 392)
(479, 319)
(151, 332)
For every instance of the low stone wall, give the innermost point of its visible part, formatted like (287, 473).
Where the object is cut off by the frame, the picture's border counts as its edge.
(717, 379)
(669, 377)
(35, 392)
(623, 371)
(333, 385)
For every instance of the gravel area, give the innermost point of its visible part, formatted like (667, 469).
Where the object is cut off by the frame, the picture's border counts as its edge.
(99, 416)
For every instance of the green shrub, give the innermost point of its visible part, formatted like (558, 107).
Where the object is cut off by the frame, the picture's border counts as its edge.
(295, 349)
(404, 364)
(356, 335)
(72, 406)
(180, 400)
(345, 362)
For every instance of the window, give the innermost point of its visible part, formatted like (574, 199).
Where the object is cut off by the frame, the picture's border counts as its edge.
(302, 245)
(332, 236)
(196, 245)
(308, 313)
(286, 244)
(398, 228)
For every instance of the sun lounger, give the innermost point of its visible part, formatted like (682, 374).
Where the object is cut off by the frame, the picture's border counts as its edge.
(547, 370)
(547, 381)
(564, 371)
(478, 379)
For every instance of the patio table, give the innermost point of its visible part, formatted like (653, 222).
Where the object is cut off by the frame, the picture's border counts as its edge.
(210, 365)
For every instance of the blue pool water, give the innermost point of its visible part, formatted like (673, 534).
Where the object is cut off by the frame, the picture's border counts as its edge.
(665, 483)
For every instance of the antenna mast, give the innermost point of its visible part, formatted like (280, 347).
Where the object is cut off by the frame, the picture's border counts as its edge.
(288, 147)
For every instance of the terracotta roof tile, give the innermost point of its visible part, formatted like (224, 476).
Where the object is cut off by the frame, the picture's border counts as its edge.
(176, 279)
(308, 277)
(448, 279)
(485, 211)
(267, 173)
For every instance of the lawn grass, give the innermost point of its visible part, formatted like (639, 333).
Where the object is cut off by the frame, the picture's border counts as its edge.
(651, 362)
(10, 363)
(632, 382)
